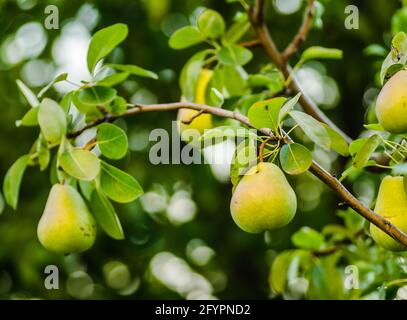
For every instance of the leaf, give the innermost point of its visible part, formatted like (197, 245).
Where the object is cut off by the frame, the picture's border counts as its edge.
(106, 216)
(314, 53)
(265, 114)
(363, 155)
(30, 119)
(135, 70)
(295, 158)
(12, 181)
(118, 106)
(312, 128)
(112, 141)
(43, 153)
(355, 146)
(211, 24)
(279, 270)
(86, 100)
(236, 32)
(288, 106)
(52, 120)
(217, 98)
(244, 158)
(59, 78)
(220, 133)
(337, 143)
(397, 57)
(104, 41)
(87, 188)
(186, 37)
(234, 55)
(308, 239)
(80, 164)
(374, 127)
(118, 185)
(113, 79)
(28, 94)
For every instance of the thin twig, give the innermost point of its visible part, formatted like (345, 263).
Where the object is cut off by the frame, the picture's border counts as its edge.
(302, 33)
(193, 117)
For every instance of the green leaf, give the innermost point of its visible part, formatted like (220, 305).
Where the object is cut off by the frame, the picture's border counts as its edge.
(28, 94)
(87, 188)
(211, 24)
(118, 185)
(244, 158)
(135, 70)
(30, 119)
(308, 239)
(374, 127)
(80, 164)
(106, 216)
(312, 128)
(397, 57)
(279, 270)
(59, 78)
(355, 146)
(104, 41)
(118, 106)
(314, 53)
(363, 155)
(12, 181)
(112, 141)
(230, 132)
(52, 120)
(43, 152)
(234, 55)
(86, 100)
(186, 37)
(265, 114)
(288, 106)
(113, 79)
(217, 98)
(338, 143)
(295, 158)
(236, 32)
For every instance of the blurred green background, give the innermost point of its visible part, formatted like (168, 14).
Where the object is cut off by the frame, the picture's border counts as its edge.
(180, 239)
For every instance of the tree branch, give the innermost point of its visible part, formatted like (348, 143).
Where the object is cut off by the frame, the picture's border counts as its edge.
(315, 169)
(302, 33)
(256, 14)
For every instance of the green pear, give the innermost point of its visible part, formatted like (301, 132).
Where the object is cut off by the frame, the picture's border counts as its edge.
(391, 204)
(66, 225)
(391, 104)
(263, 199)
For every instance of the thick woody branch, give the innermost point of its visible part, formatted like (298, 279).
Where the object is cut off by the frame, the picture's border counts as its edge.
(302, 33)
(256, 14)
(315, 169)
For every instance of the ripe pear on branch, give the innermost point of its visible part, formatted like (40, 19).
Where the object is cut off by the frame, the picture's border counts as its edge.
(263, 199)
(391, 204)
(201, 122)
(391, 104)
(66, 225)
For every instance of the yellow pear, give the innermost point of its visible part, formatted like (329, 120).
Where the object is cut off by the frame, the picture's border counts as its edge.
(66, 225)
(204, 121)
(391, 204)
(391, 104)
(263, 199)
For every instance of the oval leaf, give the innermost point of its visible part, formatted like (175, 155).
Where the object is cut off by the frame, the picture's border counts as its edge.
(112, 141)
(211, 24)
(186, 37)
(52, 120)
(135, 70)
(118, 185)
(233, 55)
(80, 164)
(104, 41)
(12, 181)
(295, 158)
(362, 156)
(307, 238)
(265, 114)
(106, 216)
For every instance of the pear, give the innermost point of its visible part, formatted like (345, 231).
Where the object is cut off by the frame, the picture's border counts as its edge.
(263, 199)
(391, 204)
(391, 104)
(66, 225)
(204, 121)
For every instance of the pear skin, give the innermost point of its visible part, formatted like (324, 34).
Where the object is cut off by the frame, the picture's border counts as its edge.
(391, 104)
(66, 225)
(263, 199)
(391, 204)
(204, 121)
